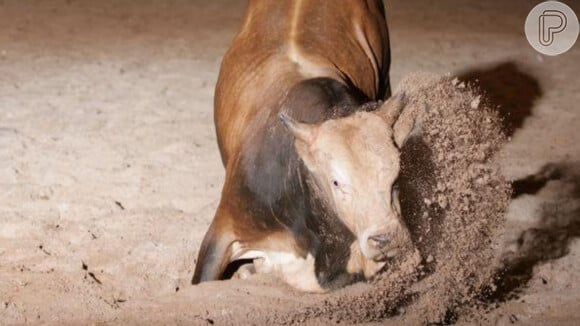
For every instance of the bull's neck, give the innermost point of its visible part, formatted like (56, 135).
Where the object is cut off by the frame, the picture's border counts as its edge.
(271, 176)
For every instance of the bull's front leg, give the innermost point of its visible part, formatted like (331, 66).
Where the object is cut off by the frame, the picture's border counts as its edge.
(332, 266)
(308, 273)
(216, 249)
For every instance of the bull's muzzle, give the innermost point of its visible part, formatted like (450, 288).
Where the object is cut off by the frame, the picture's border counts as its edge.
(382, 243)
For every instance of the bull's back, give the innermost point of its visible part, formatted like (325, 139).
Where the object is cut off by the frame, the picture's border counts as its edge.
(286, 41)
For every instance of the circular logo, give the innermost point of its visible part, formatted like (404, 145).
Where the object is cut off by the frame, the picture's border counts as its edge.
(552, 28)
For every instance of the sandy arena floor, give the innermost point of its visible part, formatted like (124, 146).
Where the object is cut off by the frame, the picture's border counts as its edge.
(110, 173)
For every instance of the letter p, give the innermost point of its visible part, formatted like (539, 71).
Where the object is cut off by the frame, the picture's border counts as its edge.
(552, 22)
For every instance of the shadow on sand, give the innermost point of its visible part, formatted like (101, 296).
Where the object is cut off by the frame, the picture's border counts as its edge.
(549, 239)
(514, 93)
(510, 89)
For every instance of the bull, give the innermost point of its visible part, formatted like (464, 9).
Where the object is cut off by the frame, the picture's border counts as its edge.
(309, 190)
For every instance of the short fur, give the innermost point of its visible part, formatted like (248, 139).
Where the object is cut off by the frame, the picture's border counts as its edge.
(314, 61)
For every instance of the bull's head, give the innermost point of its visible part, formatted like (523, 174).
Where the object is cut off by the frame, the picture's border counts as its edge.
(354, 162)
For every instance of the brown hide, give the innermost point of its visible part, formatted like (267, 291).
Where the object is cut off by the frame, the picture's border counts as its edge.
(285, 41)
(281, 45)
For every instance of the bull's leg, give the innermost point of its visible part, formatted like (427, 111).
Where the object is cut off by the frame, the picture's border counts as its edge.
(306, 273)
(313, 272)
(340, 280)
(216, 250)
(333, 270)
(287, 254)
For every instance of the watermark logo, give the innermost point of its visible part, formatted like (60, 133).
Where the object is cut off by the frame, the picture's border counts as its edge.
(552, 28)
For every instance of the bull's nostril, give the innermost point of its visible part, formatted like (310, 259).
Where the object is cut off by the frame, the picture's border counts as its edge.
(379, 240)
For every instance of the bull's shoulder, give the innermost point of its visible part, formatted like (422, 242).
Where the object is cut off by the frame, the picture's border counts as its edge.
(267, 166)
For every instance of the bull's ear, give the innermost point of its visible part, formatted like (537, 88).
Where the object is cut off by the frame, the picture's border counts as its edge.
(407, 125)
(304, 135)
(404, 119)
(301, 131)
(392, 108)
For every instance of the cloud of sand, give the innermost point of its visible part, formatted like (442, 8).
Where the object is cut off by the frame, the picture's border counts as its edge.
(453, 198)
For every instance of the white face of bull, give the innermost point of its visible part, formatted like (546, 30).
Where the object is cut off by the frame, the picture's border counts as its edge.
(355, 163)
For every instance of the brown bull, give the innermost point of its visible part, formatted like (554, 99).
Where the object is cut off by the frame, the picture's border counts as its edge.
(309, 174)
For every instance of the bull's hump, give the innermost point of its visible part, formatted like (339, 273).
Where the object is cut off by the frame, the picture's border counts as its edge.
(308, 64)
(317, 32)
(313, 38)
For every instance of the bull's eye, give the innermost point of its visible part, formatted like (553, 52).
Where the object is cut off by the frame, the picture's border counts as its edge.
(335, 183)
(396, 185)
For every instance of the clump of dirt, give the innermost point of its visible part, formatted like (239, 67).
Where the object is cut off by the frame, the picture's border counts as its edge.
(453, 199)
(458, 225)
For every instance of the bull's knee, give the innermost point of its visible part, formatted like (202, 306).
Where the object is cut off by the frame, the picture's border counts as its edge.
(215, 252)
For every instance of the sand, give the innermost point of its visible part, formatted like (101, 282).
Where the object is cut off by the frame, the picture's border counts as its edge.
(110, 174)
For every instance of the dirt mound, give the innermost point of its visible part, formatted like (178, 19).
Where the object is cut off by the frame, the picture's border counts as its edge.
(453, 199)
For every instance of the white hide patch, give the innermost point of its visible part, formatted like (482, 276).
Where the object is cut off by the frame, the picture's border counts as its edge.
(297, 271)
